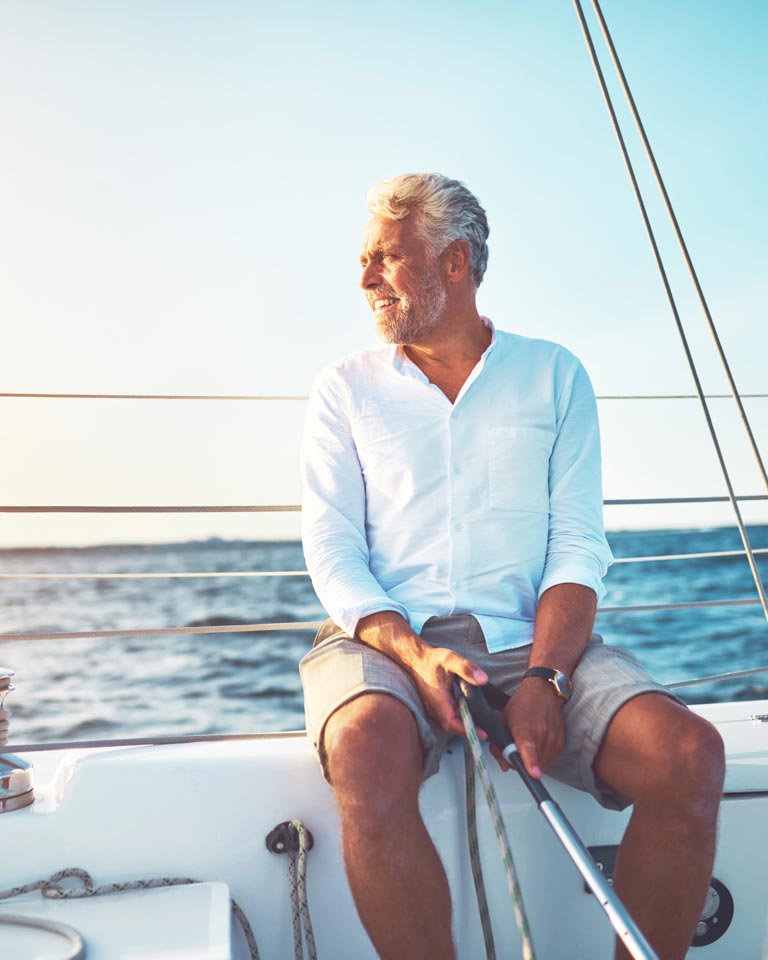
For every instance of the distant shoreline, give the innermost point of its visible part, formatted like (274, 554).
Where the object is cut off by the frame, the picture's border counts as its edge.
(237, 542)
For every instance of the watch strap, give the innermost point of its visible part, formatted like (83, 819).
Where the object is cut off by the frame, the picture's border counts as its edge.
(550, 674)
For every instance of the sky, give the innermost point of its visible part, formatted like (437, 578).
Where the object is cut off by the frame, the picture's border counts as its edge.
(182, 197)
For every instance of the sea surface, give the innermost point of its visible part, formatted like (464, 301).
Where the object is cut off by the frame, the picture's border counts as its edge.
(131, 686)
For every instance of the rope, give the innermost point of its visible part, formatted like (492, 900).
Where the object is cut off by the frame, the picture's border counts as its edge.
(297, 871)
(473, 744)
(673, 306)
(52, 889)
(474, 853)
(298, 946)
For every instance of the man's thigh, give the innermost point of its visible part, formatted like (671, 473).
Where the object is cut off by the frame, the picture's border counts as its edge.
(340, 669)
(606, 679)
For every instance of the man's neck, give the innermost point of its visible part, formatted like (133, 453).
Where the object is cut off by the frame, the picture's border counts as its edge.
(451, 353)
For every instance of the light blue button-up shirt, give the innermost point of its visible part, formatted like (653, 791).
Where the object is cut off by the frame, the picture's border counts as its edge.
(429, 508)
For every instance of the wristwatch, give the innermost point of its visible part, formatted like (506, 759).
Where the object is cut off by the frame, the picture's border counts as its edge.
(561, 683)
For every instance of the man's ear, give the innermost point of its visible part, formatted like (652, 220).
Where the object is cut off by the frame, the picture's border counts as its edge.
(456, 261)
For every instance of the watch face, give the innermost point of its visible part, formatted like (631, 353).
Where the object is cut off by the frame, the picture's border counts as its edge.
(563, 685)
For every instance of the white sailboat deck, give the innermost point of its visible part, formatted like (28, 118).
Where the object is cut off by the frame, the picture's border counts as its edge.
(203, 810)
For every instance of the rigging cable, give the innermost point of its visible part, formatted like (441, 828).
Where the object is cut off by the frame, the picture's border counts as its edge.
(673, 305)
(680, 239)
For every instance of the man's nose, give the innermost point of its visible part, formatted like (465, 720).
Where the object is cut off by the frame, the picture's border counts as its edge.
(371, 276)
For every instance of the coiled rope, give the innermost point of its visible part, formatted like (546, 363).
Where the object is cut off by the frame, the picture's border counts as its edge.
(474, 761)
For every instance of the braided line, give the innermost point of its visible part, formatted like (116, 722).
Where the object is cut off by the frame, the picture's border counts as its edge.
(500, 831)
(298, 949)
(474, 854)
(306, 922)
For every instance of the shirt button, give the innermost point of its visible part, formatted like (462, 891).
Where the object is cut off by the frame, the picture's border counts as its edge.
(458, 527)
(457, 468)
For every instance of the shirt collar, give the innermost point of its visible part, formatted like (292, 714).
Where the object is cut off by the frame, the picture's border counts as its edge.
(405, 366)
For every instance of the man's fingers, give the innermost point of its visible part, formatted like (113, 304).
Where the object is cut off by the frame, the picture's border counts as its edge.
(499, 759)
(467, 670)
(529, 757)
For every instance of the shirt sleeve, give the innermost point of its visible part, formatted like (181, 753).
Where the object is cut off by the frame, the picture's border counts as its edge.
(577, 550)
(333, 513)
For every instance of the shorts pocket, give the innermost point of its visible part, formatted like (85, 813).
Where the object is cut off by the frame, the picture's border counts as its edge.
(518, 465)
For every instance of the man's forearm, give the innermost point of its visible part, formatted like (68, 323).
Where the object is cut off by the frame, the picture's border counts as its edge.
(390, 633)
(564, 620)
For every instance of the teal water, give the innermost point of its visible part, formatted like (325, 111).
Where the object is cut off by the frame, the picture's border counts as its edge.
(227, 683)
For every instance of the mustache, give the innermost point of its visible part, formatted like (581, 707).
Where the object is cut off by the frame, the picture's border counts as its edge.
(378, 293)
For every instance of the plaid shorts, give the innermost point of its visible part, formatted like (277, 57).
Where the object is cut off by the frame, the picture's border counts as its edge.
(340, 668)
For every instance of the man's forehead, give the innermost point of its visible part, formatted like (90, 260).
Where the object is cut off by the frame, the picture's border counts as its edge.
(383, 234)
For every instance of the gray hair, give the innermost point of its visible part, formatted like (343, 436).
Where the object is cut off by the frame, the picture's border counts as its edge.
(444, 210)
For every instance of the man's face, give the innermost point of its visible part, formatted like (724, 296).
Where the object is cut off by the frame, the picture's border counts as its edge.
(401, 281)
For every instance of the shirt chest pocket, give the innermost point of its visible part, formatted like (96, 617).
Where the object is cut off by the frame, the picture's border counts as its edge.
(518, 465)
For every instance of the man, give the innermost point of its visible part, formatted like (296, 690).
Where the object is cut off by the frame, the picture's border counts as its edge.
(452, 526)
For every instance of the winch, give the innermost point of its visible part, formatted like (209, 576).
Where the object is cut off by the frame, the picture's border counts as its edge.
(16, 789)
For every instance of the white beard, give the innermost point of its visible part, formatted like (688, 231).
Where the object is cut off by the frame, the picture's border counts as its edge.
(412, 319)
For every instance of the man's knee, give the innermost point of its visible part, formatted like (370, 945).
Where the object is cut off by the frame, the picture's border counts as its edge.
(697, 766)
(664, 757)
(373, 754)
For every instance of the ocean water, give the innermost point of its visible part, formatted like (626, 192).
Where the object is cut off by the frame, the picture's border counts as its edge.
(246, 683)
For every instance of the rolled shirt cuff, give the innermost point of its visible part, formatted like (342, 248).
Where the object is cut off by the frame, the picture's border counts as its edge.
(574, 571)
(349, 617)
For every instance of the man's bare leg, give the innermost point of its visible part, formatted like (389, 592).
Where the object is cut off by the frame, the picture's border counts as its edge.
(671, 764)
(395, 874)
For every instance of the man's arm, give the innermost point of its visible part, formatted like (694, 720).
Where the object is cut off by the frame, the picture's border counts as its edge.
(576, 561)
(333, 512)
(564, 619)
(433, 669)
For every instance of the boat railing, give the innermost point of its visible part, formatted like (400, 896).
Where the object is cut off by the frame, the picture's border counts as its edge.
(289, 508)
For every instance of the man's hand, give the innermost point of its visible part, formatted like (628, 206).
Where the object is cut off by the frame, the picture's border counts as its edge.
(433, 669)
(534, 716)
